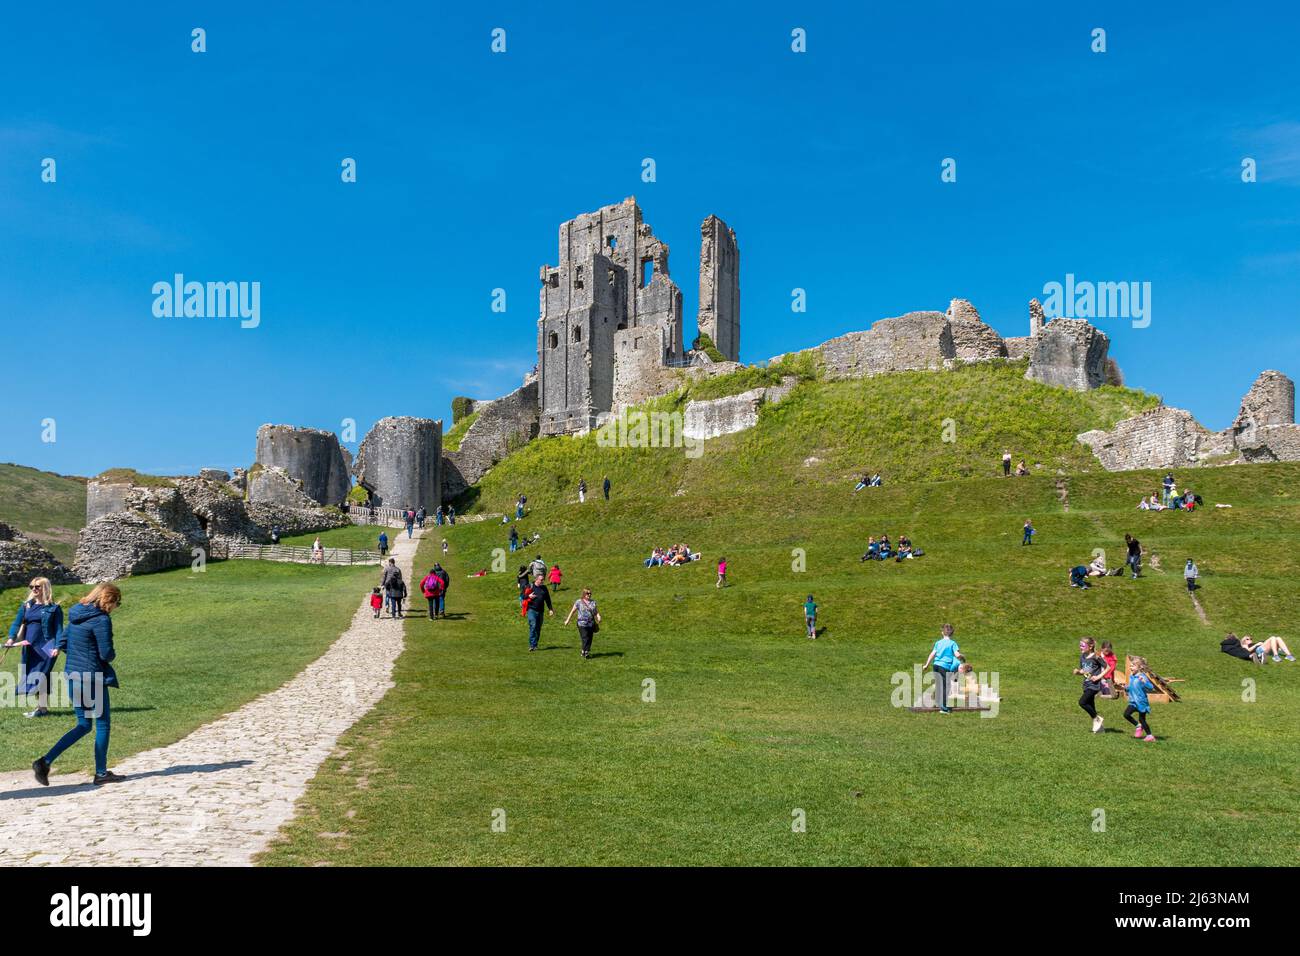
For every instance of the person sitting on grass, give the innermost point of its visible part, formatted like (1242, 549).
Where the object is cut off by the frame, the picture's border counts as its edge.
(1079, 577)
(904, 548)
(886, 549)
(1154, 504)
(1097, 567)
(863, 482)
(1021, 470)
(873, 549)
(1143, 504)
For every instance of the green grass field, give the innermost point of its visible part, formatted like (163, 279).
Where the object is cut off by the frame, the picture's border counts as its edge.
(192, 647)
(49, 508)
(751, 723)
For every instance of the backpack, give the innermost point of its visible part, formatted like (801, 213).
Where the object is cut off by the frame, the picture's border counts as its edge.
(432, 586)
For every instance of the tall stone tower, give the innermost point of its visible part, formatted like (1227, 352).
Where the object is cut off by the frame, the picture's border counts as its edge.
(609, 311)
(719, 316)
(400, 463)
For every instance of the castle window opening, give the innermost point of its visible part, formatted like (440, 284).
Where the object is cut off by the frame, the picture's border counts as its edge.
(577, 333)
(577, 278)
(611, 241)
(555, 280)
(555, 340)
(647, 272)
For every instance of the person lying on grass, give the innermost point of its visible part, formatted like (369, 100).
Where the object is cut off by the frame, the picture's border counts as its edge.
(1097, 566)
(1274, 646)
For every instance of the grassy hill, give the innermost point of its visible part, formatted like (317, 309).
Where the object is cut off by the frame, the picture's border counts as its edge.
(750, 722)
(47, 507)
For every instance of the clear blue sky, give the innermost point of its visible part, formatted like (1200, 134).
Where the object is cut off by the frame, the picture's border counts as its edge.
(376, 295)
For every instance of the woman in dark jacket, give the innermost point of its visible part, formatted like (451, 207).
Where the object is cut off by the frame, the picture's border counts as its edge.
(88, 639)
(39, 619)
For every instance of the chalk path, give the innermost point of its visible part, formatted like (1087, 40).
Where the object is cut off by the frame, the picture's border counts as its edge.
(218, 796)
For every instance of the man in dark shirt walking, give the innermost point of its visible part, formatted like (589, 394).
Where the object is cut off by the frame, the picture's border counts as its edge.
(538, 596)
(1134, 559)
(606, 486)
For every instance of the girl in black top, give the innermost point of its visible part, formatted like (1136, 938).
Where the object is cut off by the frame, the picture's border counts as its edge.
(1091, 666)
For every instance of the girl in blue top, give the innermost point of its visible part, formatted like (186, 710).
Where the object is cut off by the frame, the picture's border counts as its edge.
(1138, 686)
(810, 617)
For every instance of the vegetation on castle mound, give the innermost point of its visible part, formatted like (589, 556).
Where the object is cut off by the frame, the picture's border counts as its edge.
(452, 439)
(129, 476)
(48, 508)
(191, 647)
(750, 721)
(828, 433)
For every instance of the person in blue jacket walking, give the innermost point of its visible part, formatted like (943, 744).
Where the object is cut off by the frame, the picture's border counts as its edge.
(40, 619)
(88, 639)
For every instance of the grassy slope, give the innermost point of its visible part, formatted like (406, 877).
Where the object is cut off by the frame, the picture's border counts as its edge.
(49, 508)
(194, 646)
(751, 720)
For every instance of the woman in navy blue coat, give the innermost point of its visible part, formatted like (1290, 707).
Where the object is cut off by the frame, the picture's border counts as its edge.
(40, 619)
(88, 639)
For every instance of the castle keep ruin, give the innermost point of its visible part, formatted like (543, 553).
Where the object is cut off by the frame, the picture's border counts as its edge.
(611, 316)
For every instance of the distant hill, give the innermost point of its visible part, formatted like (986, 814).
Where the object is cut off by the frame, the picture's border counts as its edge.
(47, 507)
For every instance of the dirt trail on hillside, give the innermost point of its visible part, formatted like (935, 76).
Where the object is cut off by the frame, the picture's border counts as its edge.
(218, 796)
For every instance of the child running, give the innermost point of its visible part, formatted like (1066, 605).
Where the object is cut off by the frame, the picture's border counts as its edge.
(722, 573)
(556, 575)
(1138, 685)
(810, 617)
(1091, 666)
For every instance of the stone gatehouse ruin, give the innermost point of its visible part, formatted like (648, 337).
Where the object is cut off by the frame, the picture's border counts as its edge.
(611, 315)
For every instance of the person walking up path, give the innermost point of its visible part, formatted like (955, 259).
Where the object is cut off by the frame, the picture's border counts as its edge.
(535, 598)
(588, 619)
(218, 796)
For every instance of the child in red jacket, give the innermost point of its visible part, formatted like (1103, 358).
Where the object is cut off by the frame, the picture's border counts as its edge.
(376, 601)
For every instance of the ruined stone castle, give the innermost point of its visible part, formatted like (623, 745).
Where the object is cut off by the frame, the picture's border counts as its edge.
(611, 315)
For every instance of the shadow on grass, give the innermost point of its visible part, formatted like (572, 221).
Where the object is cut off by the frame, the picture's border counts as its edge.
(130, 778)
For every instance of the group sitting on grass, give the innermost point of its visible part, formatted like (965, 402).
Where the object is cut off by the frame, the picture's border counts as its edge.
(677, 555)
(882, 550)
(1170, 499)
(868, 481)
(1247, 649)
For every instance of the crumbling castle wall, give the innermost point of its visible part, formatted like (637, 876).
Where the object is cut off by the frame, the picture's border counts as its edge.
(917, 340)
(733, 413)
(719, 311)
(501, 426)
(972, 339)
(1270, 401)
(400, 463)
(311, 455)
(274, 485)
(1167, 437)
(1070, 353)
(1161, 437)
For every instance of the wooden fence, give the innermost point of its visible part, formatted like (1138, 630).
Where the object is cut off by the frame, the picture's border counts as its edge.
(296, 555)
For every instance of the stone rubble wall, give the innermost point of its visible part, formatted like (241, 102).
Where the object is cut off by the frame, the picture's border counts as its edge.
(1167, 437)
(157, 527)
(276, 486)
(732, 413)
(917, 340)
(22, 559)
(501, 426)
